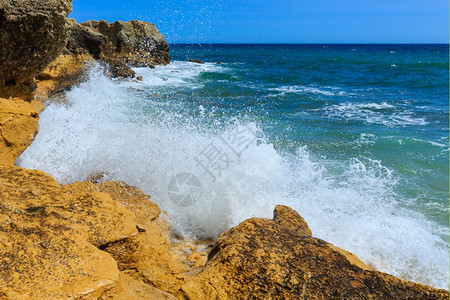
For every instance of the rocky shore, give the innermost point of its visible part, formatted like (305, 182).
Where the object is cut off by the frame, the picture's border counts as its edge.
(91, 240)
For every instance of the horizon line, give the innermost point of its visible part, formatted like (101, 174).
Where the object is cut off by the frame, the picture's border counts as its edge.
(265, 43)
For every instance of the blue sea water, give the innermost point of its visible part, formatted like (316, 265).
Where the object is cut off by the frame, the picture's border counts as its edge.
(388, 103)
(354, 137)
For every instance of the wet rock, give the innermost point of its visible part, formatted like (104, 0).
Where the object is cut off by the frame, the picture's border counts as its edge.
(279, 259)
(118, 67)
(32, 34)
(198, 61)
(62, 74)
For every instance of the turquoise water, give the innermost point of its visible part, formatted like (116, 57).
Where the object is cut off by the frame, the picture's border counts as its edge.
(353, 137)
(384, 102)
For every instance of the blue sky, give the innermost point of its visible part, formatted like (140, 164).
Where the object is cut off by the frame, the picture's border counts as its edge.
(281, 21)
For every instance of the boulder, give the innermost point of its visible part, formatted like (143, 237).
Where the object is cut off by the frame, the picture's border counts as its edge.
(32, 34)
(279, 259)
(50, 238)
(198, 61)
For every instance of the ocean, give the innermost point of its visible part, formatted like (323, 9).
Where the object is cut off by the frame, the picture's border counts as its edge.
(353, 137)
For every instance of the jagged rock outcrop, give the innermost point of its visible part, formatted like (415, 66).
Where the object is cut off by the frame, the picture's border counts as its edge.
(120, 44)
(86, 40)
(32, 34)
(51, 238)
(40, 48)
(139, 43)
(273, 259)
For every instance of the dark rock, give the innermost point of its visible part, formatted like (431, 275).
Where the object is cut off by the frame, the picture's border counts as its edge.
(86, 40)
(139, 43)
(278, 259)
(196, 61)
(120, 44)
(118, 67)
(32, 34)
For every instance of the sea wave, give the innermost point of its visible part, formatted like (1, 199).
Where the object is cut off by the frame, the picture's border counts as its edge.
(374, 113)
(177, 74)
(300, 89)
(120, 130)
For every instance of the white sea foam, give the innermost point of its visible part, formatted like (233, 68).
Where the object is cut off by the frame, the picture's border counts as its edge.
(103, 128)
(300, 89)
(441, 145)
(176, 74)
(366, 139)
(374, 113)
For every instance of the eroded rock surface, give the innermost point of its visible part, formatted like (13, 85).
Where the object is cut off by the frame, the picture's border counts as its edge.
(18, 126)
(120, 44)
(52, 239)
(148, 255)
(32, 34)
(140, 43)
(264, 259)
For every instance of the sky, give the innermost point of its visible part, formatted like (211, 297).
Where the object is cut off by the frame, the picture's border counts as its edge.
(280, 21)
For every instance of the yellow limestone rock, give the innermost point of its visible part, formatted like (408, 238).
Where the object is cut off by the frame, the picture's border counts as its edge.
(129, 288)
(147, 256)
(82, 241)
(18, 126)
(63, 73)
(263, 259)
(50, 238)
(19, 112)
